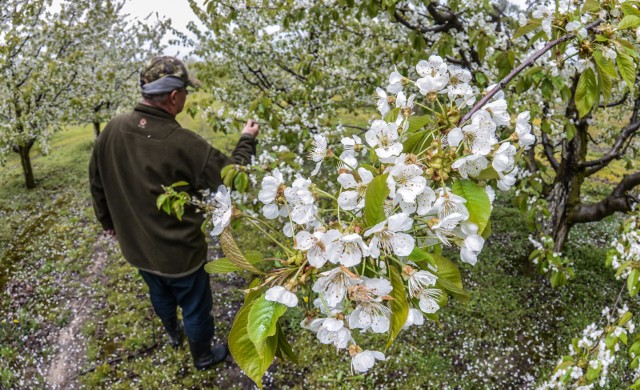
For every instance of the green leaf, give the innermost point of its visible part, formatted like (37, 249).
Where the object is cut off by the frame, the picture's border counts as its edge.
(482, 47)
(233, 252)
(593, 373)
(392, 115)
(625, 318)
(263, 318)
(627, 68)
(376, 194)
(398, 305)
(410, 145)
(160, 200)
(419, 255)
(179, 184)
(253, 257)
(527, 28)
(226, 170)
(629, 9)
(629, 21)
(241, 182)
(488, 174)
(591, 6)
(417, 122)
(478, 202)
(487, 230)
(243, 350)
(605, 84)
(623, 267)
(284, 350)
(586, 92)
(632, 282)
(221, 266)
(449, 278)
(558, 279)
(227, 179)
(604, 64)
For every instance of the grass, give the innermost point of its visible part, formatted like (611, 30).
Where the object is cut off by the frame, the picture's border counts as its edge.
(508, 335)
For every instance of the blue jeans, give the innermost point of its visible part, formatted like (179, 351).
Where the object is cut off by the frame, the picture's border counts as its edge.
(192, 293)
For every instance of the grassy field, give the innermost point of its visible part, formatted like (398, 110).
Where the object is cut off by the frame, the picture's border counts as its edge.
(55, 267)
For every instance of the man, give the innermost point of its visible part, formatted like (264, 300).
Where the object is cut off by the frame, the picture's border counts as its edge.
(137, 153)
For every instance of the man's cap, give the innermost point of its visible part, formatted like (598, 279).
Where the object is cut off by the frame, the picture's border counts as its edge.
(164, 67)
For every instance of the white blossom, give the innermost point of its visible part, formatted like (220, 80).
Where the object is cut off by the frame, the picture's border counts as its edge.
(384, 137)
(281, 295)
(332, 285)
(387, 236)
(315, 244)
(221, 210)
(364, 360)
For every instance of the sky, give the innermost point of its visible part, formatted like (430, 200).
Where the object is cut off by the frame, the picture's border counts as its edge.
(180, 14)
(178, 11)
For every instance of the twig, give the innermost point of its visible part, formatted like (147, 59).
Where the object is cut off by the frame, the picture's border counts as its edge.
(528, 62)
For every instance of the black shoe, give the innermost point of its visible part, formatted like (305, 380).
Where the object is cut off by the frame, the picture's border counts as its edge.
(205, 356)
(175, 333)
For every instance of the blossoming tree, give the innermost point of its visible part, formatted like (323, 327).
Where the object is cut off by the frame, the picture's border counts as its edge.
(53, 65)
(112, 63)
(290, 56)
(367, 257)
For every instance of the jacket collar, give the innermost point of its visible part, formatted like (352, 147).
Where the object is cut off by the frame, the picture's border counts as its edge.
(155, 111)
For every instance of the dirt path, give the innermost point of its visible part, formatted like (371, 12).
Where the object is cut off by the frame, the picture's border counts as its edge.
(70, 345)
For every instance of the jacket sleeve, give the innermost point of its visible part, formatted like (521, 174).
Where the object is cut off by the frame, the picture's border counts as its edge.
(211, 175)
(100, 206)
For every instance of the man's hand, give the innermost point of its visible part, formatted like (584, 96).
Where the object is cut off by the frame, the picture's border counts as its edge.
(252, 128)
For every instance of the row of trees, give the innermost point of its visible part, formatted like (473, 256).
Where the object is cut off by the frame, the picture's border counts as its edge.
(73, 65)
(296, 64)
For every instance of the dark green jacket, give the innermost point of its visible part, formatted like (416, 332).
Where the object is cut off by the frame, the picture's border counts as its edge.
(134, 156)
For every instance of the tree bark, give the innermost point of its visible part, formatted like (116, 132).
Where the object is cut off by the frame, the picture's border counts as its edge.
(96, 128)
(25, 161)
(566, 190)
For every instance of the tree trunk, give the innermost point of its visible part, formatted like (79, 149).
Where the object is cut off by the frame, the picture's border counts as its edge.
(25, 161)
(96, 128)
(566, 190)
(557, 226)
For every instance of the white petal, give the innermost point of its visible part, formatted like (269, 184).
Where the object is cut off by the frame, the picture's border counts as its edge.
(454, 137)
(347, 180)
(270, 211)
(304, 240)
(402, 244)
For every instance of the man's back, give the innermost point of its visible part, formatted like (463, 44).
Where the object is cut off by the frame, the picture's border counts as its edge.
(138, 153)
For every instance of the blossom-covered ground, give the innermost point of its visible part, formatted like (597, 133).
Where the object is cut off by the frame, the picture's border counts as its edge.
(59, 278)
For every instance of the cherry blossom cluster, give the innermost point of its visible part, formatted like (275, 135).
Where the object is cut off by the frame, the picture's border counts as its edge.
(341, 258)
(589, 358)
(626, 248)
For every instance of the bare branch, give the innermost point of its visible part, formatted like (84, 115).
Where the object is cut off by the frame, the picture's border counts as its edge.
(617, 151)
(526, 63)
(617, 103)
(548, 151)
(618, 200)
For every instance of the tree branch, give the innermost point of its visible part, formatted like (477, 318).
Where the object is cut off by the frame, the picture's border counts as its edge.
(617, 151)
(619, 102)
(526, 63)
(548, 152)
(618, 200)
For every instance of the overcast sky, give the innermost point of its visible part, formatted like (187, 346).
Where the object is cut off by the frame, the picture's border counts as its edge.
(177, 10)
(180, 14)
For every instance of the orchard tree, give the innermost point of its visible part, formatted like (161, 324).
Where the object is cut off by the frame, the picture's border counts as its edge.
(366, 255)
(289, 59)
(46, 66)
(112, 62)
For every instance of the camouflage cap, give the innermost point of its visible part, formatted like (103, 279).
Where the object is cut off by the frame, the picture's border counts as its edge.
(163, 66)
